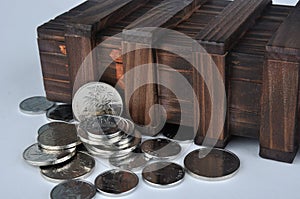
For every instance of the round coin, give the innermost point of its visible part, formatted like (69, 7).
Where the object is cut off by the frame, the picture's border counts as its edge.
(96, 98)
(116, 182)
(163, 174)
(60, 113)
(73, 189)
(211, 164)
(160, 148)
(81, 165)
(59, 136)
(35, 105)
(37, 156)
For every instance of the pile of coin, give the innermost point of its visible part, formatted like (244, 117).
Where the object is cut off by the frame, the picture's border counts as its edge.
(64, 151)
(108, 135)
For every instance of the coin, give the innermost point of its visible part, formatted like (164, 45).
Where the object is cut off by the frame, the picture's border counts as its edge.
(35, 105)
(96, 98)
(163, 174)
(103, 127)
(182, 134)
(83, 136)
(79, 166)
(47, 126)
(60, 113)
(73, 189)
(37, 156)
(211, 164)
(160, 148)
(116, 182)
(59, 136)
(132, 161)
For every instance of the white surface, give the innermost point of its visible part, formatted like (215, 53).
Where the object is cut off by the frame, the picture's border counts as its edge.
(21, 77)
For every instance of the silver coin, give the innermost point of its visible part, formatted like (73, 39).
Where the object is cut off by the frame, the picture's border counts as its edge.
(80, 166)
(35, 105)
(48, 126)
(132, 161)
(60, 113)
(103, 127)
(59, 136)
(73, 189)
(37, 156)
(84, 137)
(96, 98)
(163, 174)
(211, 164)
(116, 182)
(160, 148)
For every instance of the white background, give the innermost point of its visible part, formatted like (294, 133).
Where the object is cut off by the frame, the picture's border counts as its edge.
(21, 77)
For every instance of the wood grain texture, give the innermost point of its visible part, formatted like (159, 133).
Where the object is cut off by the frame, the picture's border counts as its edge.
(222, 33)
(204, 99)
(279, 136)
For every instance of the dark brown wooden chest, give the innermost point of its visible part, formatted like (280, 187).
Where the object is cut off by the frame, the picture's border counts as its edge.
(254, 44)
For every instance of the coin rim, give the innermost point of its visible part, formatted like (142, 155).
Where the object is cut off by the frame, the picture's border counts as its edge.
(72, 153)
(117, 194)
(79, 180)
(221, 178)
(35, 112)
(55, 120)
(91, 83)
(161, 158)
(167, 185)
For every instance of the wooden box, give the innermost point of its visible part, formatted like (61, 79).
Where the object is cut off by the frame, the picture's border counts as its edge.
(254, 44)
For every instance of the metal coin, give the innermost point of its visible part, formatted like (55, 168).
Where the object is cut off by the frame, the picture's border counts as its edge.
(60, 113)
(35, 105)
(60, 136)
(83, 136)
(96, 98)
(160, 148)
(37, 156)
(163, 174)
(47, 126)
(132, 161)
(73, 189)
(81, 165)
(211, 164)
(185, 135)
(103, 127)
(116, 182)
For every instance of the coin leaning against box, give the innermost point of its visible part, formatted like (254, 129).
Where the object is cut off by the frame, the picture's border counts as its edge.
(66, 148)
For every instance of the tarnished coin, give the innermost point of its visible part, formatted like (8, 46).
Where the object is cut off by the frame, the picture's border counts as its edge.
(73, 189)
(116, 182)
(163, 174)
(211, 164)
(60, 113)
(132, 161)
(59, 136)
(160, 148)
(35, 105)
(81, 165)
(96, 98)
(182, 134)
(37, 156)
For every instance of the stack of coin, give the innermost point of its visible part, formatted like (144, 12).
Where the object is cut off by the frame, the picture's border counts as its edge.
(108, 135)
(56, 155)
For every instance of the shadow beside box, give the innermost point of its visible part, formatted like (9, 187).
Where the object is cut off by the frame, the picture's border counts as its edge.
(254, 44)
